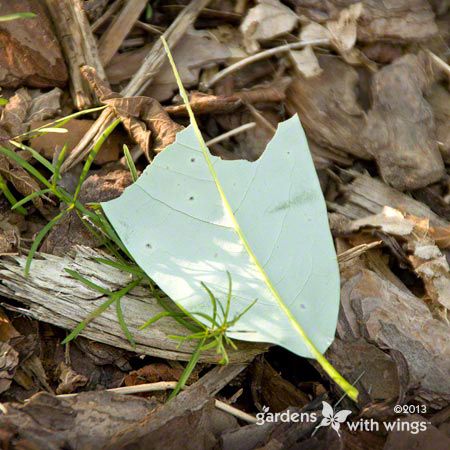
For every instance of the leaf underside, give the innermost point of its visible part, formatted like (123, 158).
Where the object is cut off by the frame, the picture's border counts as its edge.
(174, 224)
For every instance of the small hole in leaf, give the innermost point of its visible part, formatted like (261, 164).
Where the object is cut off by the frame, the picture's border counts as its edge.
(192, 159)
(148, 245)
(191, 198)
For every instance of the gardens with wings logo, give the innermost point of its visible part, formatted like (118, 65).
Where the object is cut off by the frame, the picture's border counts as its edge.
(331, 418)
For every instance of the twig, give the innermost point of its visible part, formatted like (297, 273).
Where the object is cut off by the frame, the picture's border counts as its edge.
(150, 28)
(79, 46)
(228, 134)
(356, 251)
(150, 67)
(260, 118)
(440, 63)
(107, 14)
(166, 385)
(118, 29)
(259, 56)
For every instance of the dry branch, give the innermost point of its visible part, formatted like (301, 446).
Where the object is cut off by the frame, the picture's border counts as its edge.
(51, 295)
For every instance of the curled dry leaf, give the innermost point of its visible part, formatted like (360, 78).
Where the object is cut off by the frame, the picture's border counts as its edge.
(9, 359)
(143, 117)
(267, 20)
(69, 379)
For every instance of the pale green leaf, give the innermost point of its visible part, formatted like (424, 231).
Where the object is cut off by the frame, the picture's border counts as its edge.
(174, 224)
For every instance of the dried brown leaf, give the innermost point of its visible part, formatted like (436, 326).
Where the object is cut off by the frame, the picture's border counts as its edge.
(266, 20)
(143, 117)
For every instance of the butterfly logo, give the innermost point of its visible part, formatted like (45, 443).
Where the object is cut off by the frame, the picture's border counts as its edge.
(332, 418)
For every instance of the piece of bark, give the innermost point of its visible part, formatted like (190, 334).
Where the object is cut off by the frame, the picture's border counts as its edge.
(79, 45)
(401, 323)
(328, 107)
(271, 435)
(272, 390)
(393, 20)
(366, 195)
(86, 421)
(52, 296)
(29, 51)
(45, 106)
(117, 30)
(400, 132)
(185, 422)
(353, 358)
(439, 99)
(427, 437)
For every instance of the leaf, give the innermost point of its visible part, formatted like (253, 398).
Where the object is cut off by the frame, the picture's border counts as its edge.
(191, 218)
(173, 222)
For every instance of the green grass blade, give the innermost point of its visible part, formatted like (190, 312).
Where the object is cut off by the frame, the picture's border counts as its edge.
(25, 165)
(130, 163)
(60, 122)
(123, 324)
(35, 155)
(38, 240)
(10, 197)
(30, 197)
(188, 370)
(57, 166)
(15, 16)
(92, 155)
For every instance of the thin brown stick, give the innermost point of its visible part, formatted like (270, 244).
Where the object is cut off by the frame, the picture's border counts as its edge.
(259, 56)
(164, 386)
(234, 132)
(118, 29)
(107, 15)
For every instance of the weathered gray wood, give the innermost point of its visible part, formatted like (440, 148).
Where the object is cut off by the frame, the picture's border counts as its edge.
(52, 295)
(366, 195)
